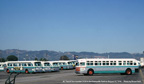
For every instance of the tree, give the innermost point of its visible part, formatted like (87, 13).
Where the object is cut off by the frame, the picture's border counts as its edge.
(36, 58)
(2, 60)
(43, 59)
(64, 57)
(12, 58)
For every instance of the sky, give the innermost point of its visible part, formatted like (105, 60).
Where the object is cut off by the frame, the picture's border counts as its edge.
(72, 25)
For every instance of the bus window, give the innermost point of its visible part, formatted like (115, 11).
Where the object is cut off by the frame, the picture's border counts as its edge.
(88, 63)
(99, 62)
(91, 62)
(128, 62)
(24, 64)
(119, 62)
(64, 63)
(69, 62)
(114, 62)
(46, 64)
(60, 64)
(111, 62)
(124, 62)
(131, 62)
(30, 64)
(55, 64)
(134, 63)
(9, 64)
(37, 64)
(107, 62)
(82, 64)
(96, 63)
(77, 64)
(15, 64)
(104, 63)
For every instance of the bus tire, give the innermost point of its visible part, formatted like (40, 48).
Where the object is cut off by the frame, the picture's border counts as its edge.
(128, 71)
(26, 71)
(90, 72)
(7, 71)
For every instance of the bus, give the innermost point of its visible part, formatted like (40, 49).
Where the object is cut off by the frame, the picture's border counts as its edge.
(90, 66)
(48, 66)
(62, 64)
(2, 66)
(66, 64)
(23, 66)
(73, 63)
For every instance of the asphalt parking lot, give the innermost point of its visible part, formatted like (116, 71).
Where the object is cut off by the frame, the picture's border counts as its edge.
(69, 77)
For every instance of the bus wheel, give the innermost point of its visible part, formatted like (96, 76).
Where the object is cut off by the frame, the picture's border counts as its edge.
(128, 72)
(26, 71)
(7, 71)
(90, 72)
(61, 68)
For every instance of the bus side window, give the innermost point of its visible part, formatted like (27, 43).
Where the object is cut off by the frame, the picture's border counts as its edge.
(104, 63)
(134, 63)
(99, 62)
(24, 64)
(114, 62)
(88, 63)
(128, 62)
(15, 64)
(119, 62)
(59, 63)
(131, 62)
(124, 62)
(96, 63)
(111, 62)
(107, 62)
(91, 62)
(30, 64)
(9, 64)
(82, 64)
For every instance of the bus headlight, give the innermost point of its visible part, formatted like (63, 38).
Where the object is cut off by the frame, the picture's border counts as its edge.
(82, 69)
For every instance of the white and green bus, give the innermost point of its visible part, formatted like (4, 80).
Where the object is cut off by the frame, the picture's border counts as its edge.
(101, 65)
(48, 66)
(23, 66)
(66, 64)
(62, 64)
(73, 62)
(2, 66)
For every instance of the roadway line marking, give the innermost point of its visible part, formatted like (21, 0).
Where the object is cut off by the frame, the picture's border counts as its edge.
(142, 76)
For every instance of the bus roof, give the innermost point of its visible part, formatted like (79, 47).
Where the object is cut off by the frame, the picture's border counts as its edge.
(106, 59)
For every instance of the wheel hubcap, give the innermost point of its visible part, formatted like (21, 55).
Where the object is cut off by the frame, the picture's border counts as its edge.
(90, 72)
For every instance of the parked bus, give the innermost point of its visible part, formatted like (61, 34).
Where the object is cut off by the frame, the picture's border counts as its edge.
(94, 65)
(73, 63)
(66, 64)
(48, 66)
(63, 65)
(23, 66)
(2, 66)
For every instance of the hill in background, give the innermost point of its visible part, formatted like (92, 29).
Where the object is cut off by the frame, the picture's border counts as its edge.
(54, 55)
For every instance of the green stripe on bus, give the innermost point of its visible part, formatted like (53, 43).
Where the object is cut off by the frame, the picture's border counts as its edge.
(108, 66)
(112, 71)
